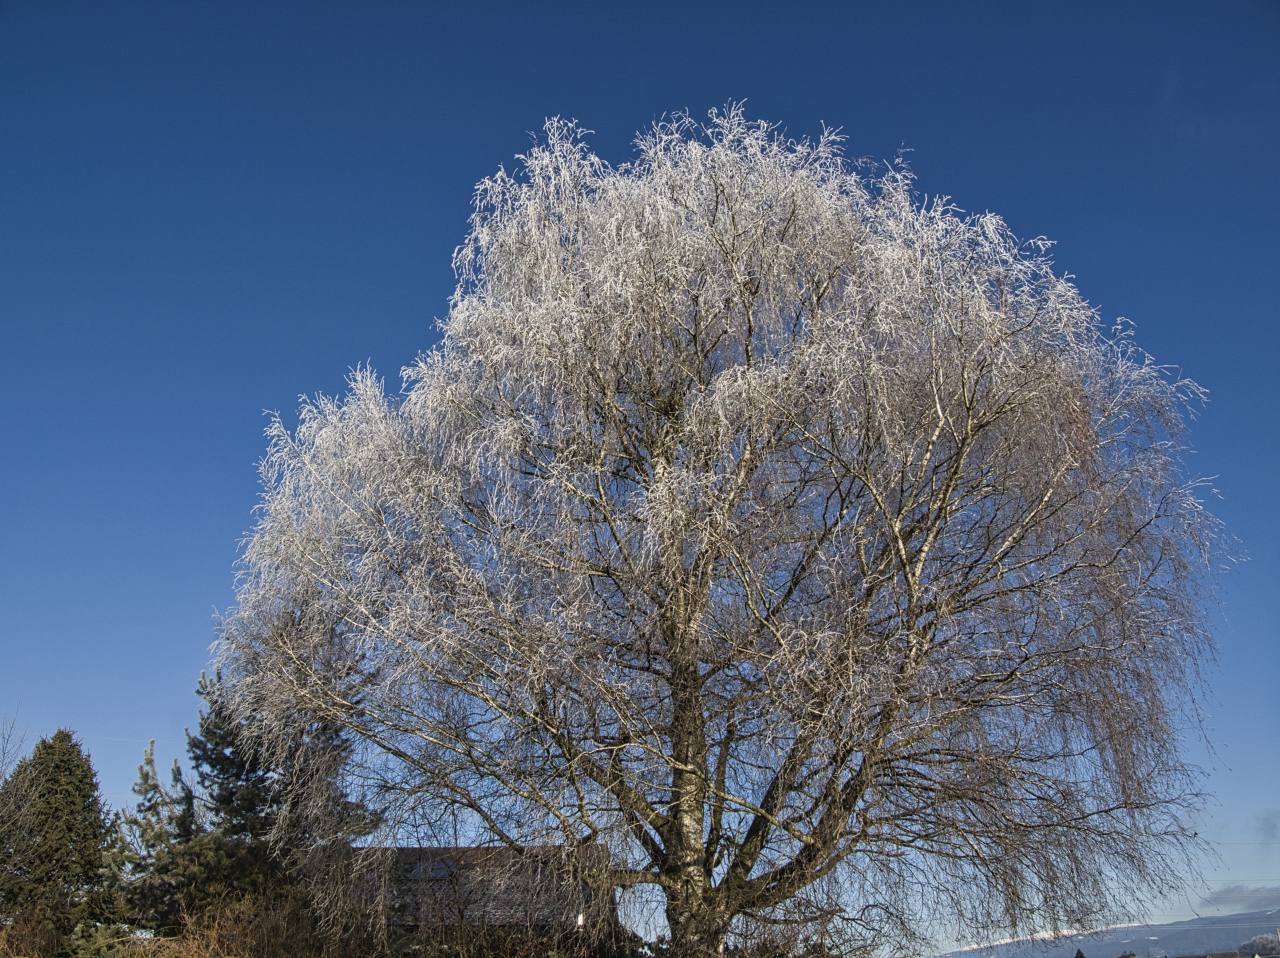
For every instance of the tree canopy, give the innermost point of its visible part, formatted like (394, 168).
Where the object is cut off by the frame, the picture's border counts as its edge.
(52, 867)
(814, 547)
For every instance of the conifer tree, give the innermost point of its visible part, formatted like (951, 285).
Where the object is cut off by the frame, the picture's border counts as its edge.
(196, 844)
(241, 791)
(52, 861)
(248, 796)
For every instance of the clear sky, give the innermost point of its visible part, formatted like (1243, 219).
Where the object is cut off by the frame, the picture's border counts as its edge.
(207, 209)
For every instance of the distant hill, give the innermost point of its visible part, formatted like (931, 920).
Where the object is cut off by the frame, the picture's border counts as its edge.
(1197, 936)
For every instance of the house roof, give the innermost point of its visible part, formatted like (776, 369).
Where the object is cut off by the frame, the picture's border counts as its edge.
(538, 887)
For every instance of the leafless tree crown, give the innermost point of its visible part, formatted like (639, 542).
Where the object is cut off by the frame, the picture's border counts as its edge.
(813, 547)
(16, 792)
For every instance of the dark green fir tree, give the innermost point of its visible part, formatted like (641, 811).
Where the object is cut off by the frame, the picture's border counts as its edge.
(242, 792)
(249, 798)
(54, 865)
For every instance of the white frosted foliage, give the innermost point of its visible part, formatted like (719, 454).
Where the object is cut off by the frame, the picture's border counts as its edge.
(813, 547)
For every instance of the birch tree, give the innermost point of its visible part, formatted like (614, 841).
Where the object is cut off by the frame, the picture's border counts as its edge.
(812, 546)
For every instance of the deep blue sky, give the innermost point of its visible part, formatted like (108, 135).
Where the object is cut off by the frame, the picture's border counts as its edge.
(207, 209)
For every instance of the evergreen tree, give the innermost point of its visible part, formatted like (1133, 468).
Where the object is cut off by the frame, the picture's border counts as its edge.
(198, 844)
(242, 792)
(182, 865)
(249, 797)
(53, 858)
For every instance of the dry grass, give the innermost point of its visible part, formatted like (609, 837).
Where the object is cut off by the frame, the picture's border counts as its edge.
(285, 928)
(243, 929)
(28, 938)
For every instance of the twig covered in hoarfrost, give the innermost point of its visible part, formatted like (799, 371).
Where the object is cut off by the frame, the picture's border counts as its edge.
(814, 549)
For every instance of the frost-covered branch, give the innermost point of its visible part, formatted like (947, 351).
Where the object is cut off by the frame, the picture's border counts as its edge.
(816, 549)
